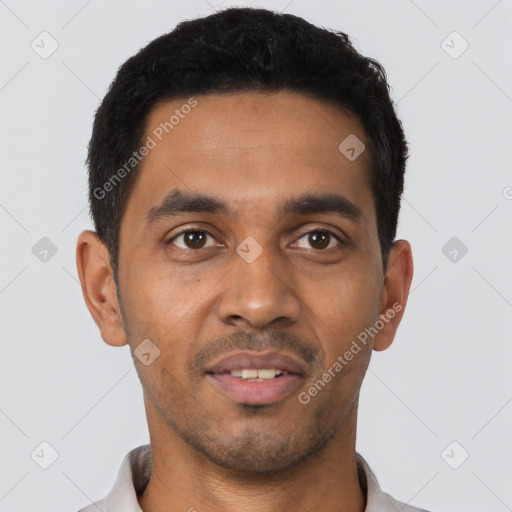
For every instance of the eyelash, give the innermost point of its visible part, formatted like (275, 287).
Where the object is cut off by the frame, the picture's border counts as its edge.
(316, 230)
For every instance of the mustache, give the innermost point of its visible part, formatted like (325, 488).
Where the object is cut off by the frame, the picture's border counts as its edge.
(244, 340)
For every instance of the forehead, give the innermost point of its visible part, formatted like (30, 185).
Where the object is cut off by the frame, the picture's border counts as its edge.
(249, 149)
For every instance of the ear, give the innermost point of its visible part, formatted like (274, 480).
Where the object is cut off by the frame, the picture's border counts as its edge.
(99, 288)
(395, 292)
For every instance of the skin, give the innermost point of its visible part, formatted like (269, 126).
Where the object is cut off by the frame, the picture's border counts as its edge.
(252, 151)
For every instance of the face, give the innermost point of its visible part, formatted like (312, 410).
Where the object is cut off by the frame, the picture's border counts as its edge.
(276, 268)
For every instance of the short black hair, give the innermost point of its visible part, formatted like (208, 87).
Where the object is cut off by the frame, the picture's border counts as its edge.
(233, 51)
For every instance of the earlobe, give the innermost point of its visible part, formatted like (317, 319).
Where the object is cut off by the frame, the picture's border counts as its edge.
(397, 283)
(99, 288)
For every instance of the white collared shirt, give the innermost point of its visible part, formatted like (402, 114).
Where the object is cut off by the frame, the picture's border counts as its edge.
(136, 469)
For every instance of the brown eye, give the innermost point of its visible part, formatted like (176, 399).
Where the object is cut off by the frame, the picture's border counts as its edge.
(193, 239)
(321, 239)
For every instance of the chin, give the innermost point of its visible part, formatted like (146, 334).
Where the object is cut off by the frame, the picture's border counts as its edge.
(258, 452)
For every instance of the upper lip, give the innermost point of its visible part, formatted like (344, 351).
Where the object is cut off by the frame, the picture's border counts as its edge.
(257, 361)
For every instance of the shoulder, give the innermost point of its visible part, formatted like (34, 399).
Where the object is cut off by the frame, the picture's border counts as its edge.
(388, 504)
(132, 477)
(376, 499)
(93, 507)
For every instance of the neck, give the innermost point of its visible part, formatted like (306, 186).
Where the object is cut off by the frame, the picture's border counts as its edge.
(184, 480)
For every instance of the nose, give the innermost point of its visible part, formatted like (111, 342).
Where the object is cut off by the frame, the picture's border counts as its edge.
(259, 293)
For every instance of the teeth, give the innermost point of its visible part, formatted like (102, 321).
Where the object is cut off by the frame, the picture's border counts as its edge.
(257, 375)
(267, 374)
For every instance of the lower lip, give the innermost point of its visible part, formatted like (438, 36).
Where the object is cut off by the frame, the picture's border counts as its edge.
(256, 393)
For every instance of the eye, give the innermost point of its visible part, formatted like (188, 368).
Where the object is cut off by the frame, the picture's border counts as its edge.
(194, 239)
(191, 239)
(321, 239)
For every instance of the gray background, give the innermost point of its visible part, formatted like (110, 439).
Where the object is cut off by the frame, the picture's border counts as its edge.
(447, 376)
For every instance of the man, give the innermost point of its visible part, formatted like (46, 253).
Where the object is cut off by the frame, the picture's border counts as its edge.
(245, 180)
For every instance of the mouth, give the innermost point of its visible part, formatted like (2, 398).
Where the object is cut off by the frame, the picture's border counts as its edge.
(255, 378)
(257, 375)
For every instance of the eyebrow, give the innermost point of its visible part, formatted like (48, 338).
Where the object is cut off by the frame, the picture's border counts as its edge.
(178, 202)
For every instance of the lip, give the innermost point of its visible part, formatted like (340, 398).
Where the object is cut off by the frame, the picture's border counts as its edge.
(266, 392)
(245, 392)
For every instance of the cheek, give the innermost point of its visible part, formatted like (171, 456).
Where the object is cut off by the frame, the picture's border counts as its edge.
(168, 308)
(152, 295)
(347, 303)
(343, 311)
